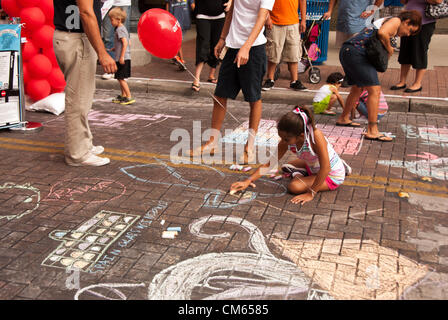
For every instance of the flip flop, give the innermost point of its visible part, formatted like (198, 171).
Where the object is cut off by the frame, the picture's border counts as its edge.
(350, 124)
(212, 80)
(330, 113)
(379, 138)
(195, 87)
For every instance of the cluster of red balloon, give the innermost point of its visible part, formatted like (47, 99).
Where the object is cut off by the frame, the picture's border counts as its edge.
(41, 72)
(160, 33)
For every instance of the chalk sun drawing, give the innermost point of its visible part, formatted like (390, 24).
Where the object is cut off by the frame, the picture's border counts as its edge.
(213, 198)
(435, 168)
(82, 248)
(75, 189)
(26, 199)
(228, 275)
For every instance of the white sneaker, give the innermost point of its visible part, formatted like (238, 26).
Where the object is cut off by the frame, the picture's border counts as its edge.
(348, 169)
(96, 150)
(93, 160)
(107, 76)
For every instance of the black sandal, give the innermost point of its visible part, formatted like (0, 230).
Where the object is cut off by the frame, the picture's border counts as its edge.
(195, 87)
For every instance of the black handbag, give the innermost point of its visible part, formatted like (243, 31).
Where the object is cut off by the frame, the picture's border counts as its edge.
(376, 53)
(437, 11)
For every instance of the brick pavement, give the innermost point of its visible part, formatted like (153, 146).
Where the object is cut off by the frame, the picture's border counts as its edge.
(359, 242)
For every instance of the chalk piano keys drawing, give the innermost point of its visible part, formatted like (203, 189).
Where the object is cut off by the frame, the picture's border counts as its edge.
(345, 140)
(117, 121)
(226, 275)
(429, 135)
(23, 200)
(82, 248)
(213, 198)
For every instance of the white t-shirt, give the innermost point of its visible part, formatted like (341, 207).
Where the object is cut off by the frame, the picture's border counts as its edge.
(245, 13)
(122, 3)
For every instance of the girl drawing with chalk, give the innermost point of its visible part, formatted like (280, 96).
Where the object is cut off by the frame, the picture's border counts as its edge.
(317, 167)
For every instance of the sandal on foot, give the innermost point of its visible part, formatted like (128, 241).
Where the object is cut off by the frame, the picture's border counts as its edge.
(381, 137)
(350, 124)
(195, 87)
(329, 112)
(213, 80)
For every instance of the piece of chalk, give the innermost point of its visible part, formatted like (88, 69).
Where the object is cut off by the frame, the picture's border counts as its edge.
(162, 222)
(178, 229)
(247, 169)
(169, 234)
(232, 192)
(278, 177)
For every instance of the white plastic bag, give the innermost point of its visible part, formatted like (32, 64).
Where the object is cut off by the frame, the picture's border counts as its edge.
(54, 103)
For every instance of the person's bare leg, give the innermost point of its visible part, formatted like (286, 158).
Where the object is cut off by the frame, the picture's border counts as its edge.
(419, 73)
(271, 70)
(293, 68)
(125, 92)
(211, 74)
(350, 103)
(197, 74)
(372, 110)
(404, 70)
(254, 121)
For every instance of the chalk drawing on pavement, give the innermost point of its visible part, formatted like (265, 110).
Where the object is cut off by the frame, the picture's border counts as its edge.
(430, 134)
(226, 275)
(82, 248)
(116, 121)
(435, 168)
(22, 200)
(346, 273)
(86, 189)
(213, 198)
(345, 140)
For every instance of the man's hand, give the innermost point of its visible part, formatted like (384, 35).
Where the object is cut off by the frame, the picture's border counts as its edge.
(302, 26)
(242, 56)
(367, 14)
(227, 5)
(108, 64)
(121, 61)
(327, 15)
(268, 24)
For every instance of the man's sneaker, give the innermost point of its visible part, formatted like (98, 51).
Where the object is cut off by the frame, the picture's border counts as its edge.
(107, 76)
(297, 85)
(348, 169)
(294, 171)
(117, 99)
(127, 101)
(93, 161)
(96, 150)
(268, 85)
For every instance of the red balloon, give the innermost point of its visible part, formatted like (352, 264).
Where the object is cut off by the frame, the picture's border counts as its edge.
(11, 8)
(56, 80)
(38, 89)
(160, 33)
(39, 66)
(48, 9)
(25, 73)
(49, 53)
(29, 50)
(27, 3)
(33, 18)
(43, 37)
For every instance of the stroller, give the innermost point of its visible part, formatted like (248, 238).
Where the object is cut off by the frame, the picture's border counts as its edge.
(310, 51)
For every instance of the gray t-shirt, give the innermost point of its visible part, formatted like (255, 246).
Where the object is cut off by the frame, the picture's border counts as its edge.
(121, 32)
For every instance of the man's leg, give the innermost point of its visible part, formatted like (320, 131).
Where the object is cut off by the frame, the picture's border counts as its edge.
(256, 109)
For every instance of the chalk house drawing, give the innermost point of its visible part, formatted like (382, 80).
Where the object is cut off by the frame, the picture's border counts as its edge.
(26, 197)
(227, 275)
(83, 247)
(213, 198)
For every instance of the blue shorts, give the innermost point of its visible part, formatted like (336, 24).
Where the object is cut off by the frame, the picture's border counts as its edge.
(358, 70)
(248, 77)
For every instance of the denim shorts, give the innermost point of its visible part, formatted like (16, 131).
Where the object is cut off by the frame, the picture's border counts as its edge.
(358, 70)
(247, 78)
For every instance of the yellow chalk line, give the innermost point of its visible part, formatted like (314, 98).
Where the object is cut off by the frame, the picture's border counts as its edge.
(141, 157)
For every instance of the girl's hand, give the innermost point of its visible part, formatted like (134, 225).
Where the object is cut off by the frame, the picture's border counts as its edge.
(121, 61)
(302, 198)
(241, 185)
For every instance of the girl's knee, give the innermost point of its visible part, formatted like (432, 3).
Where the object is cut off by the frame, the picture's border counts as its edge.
(296, 187)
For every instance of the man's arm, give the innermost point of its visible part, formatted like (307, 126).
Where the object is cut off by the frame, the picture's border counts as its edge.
(243, 54)
(302, 7)
(327, 15)
(367, 14)
(92, 30)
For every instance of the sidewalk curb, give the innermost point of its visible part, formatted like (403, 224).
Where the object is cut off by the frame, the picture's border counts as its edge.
(275, 95)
